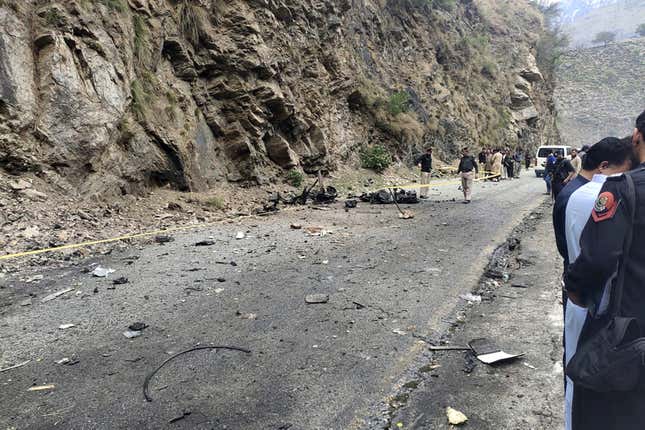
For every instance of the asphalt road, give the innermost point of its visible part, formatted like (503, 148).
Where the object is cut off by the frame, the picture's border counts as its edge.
(311, 366)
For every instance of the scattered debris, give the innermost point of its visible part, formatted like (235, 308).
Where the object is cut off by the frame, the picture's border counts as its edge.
(326, 196)
(15, 366)
(519, 286)
(246, 316)
(180, 417)
(351, 203)
(146, 382)
(205, 243)
(388, 197)
(68, 361)
(220, 280)
(102, 272)
(240, 235)
(218, 290)
(470, 364)
(313, 299)
(472, 298)
(172, 206)
(315, 231)
(399, 331)
(449, 348)
(161, 239)
(131, 334)
(296, 226)
(529, 366)
(406, 215)
(52, 296)
(26, 302)
(138, 326)
(455, 417)
(120, 281)
(488, 352)
(66, 326)
(42, 387)
(358, 306)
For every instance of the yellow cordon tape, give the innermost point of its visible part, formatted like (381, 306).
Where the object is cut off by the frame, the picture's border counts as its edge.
(190, 227)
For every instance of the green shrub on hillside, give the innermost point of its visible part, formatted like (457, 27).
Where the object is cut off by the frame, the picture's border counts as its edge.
(398, 103)
(295, 178)
(376, 158)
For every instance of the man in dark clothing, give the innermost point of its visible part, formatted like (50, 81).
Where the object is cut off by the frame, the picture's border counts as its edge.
(509, 163)
(482, 157)
(467, 170)
(527, 160)
(595, 269)
(563, 172)
(424, 162)
(548, 171)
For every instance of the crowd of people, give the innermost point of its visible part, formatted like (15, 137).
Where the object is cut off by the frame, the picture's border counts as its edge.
(503, 163)
(598, 218)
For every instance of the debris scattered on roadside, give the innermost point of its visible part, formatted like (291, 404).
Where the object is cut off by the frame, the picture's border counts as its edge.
(387, 197)
(146, 382)
(455, 417)
(66, 326)
(220, 280)
(351, 203)
(120, 281)
(315, 231)
(519, 286)
(240, 235)
(68, 361)
(529, 366)
(15, 366)
(470, 363)
(42, 387)
(131, 334)
(180, 417)
(246, 316)
(449, 348)
(102, 272)
(399, 332)
(138, 326)
(296, 226)
(172, 206)
(218, 290)
(406, 215)
(26, 302)
(161, 239)
(205, 243)
(471, 298)
(313, 299)
(488, 352)
(52, 296)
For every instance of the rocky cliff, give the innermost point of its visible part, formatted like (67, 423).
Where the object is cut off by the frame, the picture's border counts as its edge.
(110, 97)
(600, 91)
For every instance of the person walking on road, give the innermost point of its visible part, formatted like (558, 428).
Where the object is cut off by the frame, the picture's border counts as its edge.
(548, 171)
(517, 157)
(612, 256)
(424, 162)
(608, 157)
(527, 160)
(468, 169)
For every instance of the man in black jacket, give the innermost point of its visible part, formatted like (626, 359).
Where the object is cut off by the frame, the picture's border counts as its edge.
(467, 170)
(424, 162)
(595, 269)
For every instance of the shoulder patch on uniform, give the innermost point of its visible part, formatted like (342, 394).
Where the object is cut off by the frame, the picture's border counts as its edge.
(605, 207)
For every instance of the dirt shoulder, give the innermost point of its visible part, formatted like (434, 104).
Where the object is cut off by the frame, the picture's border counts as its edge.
(523, 394)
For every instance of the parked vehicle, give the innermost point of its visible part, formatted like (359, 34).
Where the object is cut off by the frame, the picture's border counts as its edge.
(543, 153)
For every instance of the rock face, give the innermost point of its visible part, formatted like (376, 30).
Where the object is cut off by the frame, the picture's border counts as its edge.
(599, 91)
(113, 97)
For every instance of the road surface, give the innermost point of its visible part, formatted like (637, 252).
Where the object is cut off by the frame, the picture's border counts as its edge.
(390, 282)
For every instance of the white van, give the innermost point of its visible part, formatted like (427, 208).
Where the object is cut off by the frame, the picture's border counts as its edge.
(542, 154)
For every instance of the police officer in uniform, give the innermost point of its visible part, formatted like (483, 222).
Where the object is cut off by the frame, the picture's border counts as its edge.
(601, 255)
